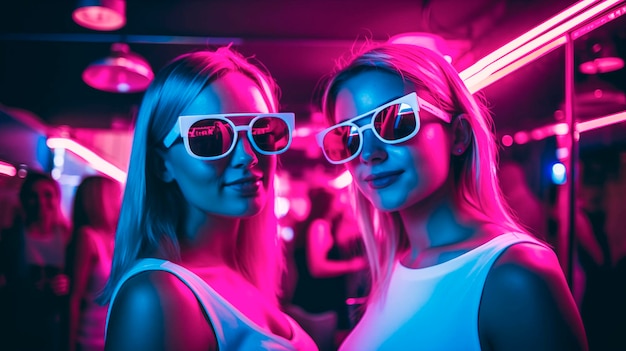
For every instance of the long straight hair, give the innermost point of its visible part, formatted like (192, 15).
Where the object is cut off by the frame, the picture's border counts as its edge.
(151, 210)
(475, 175)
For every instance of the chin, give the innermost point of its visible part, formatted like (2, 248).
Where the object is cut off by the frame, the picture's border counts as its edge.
(389, 201)
(250, 209)
(385, 206)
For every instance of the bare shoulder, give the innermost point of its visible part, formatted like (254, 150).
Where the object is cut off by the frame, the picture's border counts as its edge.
(155, 310)
(526, 303)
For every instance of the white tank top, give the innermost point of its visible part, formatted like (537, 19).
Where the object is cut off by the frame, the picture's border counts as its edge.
(431, 308)
(233, 330)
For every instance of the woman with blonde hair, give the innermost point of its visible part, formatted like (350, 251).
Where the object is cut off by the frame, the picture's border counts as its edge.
(197, 259)
(451, 269)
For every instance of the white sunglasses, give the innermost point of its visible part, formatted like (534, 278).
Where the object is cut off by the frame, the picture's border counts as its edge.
(394, 122)
(211, 137)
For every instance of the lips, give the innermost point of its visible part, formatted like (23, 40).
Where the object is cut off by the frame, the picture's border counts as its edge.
(246, 185)
(382, 179)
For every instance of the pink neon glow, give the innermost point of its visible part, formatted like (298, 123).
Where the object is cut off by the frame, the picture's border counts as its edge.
(601, 122)
(281, 206)
(519, 41)
(303, 132)
(7, 169)
(560, 129)
(599, 22)
(602, 65)
(92, 159)
(521, 137)
(507, 140)
(99, 18)
(562, 153)
(342, 181)
(286, 233)
(523, 46)
(485, 79)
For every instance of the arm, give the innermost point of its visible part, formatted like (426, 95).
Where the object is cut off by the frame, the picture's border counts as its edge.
(319, 243)
(156, 311)
(527, 304)
(84, 259)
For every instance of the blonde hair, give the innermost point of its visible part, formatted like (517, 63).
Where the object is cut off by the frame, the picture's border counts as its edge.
(150, 213)
(474, 173)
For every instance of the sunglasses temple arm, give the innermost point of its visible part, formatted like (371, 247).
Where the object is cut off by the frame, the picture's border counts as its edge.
(434, 110)
(171, 136)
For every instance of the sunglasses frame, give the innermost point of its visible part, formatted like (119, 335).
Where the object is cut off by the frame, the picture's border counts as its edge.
(184, 123)
(411, 99)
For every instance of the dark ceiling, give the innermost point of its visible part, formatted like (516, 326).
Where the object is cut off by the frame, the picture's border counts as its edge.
(43, 52)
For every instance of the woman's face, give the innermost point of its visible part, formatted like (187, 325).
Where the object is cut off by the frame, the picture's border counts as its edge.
(394, 177)
(43, 201)
(236, 185)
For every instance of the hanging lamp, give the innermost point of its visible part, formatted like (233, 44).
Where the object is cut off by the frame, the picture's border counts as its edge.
(103, 15)
(121, 72)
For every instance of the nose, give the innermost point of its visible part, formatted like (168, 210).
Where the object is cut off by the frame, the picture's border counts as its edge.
(373, 150)
(244, 154)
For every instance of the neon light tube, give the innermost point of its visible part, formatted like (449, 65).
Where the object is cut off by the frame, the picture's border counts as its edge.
(561, 128)
(490, 79)
(475, 74)
(7, 169)
(92, 159)
(519, 41)
(537, 43)
(601, 122)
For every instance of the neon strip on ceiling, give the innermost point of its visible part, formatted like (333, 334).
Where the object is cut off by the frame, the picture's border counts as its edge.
(530, 46)
(7, 169)
(93, 159)
(491, 68)
(476, 75)
(523, 39)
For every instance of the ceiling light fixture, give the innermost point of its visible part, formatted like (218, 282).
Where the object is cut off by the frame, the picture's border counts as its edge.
(104, 15)
(121, 72)
(600, 56)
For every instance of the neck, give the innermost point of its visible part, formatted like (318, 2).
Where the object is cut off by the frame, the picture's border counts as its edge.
(42, 225)
(434, 226)
(209, 240)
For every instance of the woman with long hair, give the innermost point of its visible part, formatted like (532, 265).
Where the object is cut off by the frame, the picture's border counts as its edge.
(32, 254)
(94, 217)
(197, 259)
(451, 268)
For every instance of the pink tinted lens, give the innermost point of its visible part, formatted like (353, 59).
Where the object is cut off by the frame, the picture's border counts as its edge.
(210, 137)
(271, 134)
(341, 143)
(395, 122)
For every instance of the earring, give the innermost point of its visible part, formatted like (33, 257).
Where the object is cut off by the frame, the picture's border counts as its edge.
(459, 150)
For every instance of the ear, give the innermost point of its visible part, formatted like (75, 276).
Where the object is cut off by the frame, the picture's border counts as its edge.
(461, 134)
(162, 167)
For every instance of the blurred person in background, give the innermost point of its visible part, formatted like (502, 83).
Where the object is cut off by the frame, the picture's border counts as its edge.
(90, 253)
(33, 255)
